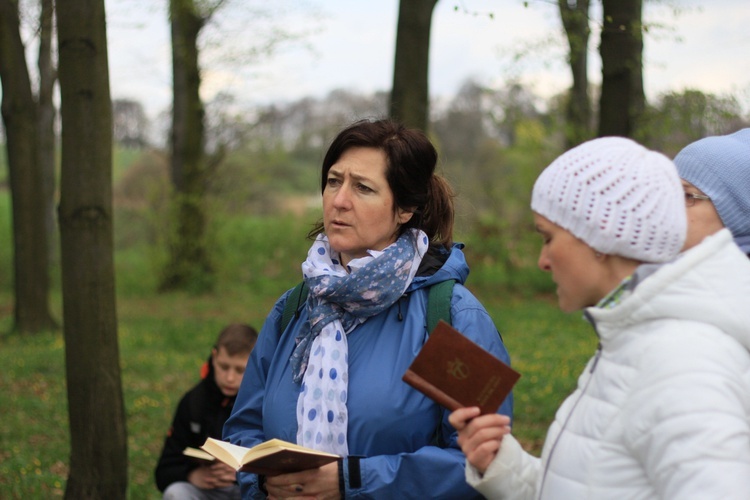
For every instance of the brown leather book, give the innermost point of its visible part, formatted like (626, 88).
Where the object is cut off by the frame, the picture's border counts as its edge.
(456, 372)
(268, 458)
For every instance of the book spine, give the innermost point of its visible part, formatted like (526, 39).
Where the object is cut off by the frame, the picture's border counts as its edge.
(431, 391)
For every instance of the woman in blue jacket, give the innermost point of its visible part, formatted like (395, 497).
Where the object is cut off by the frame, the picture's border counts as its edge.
(332, 379)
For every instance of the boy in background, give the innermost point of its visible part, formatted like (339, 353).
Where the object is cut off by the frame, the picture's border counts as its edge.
(200, 414)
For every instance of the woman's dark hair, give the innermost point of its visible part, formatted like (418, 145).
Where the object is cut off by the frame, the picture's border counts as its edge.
(410, 171)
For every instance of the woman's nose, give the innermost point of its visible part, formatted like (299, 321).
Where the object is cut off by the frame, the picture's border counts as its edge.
(343, 197)
(543, 261)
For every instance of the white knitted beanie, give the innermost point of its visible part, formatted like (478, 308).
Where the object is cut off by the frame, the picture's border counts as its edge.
(617, 197)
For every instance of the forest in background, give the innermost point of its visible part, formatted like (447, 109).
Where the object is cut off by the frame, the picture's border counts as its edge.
(492, 145)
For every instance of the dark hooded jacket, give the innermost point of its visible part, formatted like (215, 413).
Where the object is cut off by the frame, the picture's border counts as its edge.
(200, 414)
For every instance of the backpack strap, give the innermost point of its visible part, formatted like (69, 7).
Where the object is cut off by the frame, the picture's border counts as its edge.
(296, 298)
(439, 303)
(439, 307)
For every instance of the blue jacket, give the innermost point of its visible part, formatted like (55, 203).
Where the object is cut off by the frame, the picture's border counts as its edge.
(391, 425)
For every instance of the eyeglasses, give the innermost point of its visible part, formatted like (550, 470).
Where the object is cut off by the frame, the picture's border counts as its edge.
(691, 197)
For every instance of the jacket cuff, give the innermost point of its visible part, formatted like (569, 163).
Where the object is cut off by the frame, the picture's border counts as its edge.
(350, 474)
(502, 465)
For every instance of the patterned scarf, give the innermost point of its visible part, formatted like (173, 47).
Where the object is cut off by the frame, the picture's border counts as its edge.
(339, 300)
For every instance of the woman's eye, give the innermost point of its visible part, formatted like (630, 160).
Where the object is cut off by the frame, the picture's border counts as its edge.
(364, 188)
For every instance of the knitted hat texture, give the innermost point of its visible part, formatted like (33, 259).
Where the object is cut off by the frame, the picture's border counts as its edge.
(617, 197)
(720, 167)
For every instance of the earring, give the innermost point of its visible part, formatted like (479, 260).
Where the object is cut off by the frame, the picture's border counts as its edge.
(597, 255)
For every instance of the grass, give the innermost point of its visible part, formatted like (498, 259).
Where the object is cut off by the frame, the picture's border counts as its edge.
(164, 339)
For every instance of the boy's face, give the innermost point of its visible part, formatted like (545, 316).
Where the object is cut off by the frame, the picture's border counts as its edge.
(228, 370)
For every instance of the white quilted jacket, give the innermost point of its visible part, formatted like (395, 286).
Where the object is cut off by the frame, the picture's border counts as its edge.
(663, 410)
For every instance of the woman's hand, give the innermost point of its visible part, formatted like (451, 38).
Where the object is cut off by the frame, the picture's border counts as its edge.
(321, 484)
(479, 436)
(216, 475)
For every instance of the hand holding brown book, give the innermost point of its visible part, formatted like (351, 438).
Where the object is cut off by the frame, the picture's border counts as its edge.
(269, 458)
(456, 372)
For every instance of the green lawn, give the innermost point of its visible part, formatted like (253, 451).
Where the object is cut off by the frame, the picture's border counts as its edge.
(163, 342)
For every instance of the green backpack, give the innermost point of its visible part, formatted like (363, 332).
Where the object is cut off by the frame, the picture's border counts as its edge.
(438, 304)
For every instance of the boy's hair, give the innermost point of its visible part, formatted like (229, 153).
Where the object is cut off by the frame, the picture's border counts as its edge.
(237, 338)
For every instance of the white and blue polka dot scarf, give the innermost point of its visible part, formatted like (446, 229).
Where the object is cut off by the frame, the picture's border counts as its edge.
(339, 300)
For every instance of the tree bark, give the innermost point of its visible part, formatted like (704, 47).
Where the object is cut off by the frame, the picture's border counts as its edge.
(189, 266)
(46, 123)
(98, 458)
(622, 101)
(410, 94)
(575, 20)
(31, 273)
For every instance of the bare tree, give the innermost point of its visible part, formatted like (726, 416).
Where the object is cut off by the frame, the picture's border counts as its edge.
(189, 265)
(98, 455)
(622, 101)
(30, 240)
(46, 120)
(575, 21)
(410, 93)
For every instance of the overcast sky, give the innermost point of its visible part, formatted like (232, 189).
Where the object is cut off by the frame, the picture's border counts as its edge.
(351, 45)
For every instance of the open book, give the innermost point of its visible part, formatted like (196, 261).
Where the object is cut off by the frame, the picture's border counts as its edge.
(268, 458)
(198, 455)
(457, 372)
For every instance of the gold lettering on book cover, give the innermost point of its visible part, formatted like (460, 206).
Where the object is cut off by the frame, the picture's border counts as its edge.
(488, 389)
(458, 369)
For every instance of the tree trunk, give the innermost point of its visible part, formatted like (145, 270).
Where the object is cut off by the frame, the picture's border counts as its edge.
(98, 458)
(410, 94)
(46, 124)
(31, 274)
(189, 265)
(622, 101)
(575, 20)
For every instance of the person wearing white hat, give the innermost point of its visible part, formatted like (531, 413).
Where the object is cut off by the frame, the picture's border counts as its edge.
(662, 410)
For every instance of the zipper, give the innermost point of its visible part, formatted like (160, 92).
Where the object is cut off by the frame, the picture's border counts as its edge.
(597, 355)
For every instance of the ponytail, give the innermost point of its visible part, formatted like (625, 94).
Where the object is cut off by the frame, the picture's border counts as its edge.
(436, 217)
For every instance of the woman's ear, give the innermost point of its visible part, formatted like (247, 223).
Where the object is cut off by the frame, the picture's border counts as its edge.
(404, 216)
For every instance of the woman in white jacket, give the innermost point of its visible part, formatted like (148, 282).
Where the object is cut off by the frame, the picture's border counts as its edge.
(662, 410)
